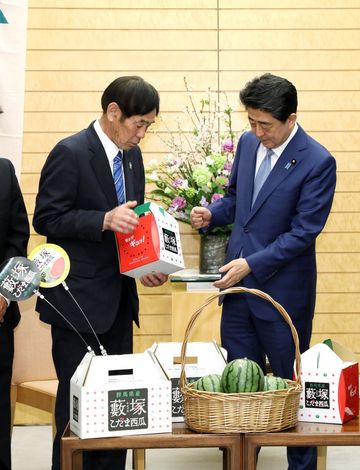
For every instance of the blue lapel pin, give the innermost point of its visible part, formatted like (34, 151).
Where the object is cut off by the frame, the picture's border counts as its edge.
(290, 164)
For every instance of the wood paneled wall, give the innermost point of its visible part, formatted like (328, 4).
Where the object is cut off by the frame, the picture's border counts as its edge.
(76, 47)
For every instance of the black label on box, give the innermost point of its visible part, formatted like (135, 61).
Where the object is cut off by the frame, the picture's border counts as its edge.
(128, 409)
(317, 395)
(177, 400)
(75, 408)
(170, 241)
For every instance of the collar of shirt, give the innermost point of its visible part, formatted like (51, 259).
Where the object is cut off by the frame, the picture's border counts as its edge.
(261, 152)
(110, 148)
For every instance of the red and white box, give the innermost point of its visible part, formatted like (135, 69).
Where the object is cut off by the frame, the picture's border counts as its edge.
(154, 246)
(330, 381)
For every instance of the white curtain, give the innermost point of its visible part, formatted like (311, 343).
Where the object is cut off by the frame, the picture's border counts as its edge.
(13, 20)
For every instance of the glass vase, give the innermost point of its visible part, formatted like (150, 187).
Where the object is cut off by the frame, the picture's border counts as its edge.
(212, 252)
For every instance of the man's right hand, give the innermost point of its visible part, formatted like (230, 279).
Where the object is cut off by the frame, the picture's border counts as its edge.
(200, 217)
(122, 219)
(3, 308)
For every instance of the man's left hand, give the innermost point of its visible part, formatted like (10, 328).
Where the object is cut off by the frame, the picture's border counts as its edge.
(153, 279)
(236, 270)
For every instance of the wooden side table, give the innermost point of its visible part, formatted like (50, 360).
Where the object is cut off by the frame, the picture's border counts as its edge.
(180, 437)
(304, 434)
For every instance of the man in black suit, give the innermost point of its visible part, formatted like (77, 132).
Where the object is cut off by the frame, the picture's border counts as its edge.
(14, 236)
(77, 207)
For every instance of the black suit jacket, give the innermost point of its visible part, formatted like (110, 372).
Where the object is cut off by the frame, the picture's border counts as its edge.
(76, 189)
(14, 227)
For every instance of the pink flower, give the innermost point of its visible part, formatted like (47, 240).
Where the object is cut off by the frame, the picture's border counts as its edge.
(216, 196)
(228, 166)
(178, 202)
(227, 146)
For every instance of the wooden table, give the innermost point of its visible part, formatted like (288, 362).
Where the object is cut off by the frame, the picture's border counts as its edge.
(180, 437)
(304, 434)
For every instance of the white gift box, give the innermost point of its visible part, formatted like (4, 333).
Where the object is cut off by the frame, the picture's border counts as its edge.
(330, 381)
(119, 395)
(201, 359)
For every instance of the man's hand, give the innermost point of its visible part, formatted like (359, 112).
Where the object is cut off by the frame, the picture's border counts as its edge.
(122, 219)
(236, 270)
(200, 217)
(3, 308)
(153, 279)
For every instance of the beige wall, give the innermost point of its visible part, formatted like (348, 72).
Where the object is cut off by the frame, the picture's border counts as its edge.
(76, 47)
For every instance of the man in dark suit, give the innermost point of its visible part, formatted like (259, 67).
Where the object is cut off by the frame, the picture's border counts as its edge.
(77, 207)
(14, 236)
(272, 245)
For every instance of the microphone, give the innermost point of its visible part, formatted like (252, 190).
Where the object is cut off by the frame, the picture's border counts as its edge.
(42, 297)
(53, 263)
(101, 347)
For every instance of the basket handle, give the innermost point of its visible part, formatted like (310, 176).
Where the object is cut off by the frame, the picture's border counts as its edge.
(235, 290)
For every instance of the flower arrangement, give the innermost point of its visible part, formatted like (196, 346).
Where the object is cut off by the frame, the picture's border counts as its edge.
(197, 169)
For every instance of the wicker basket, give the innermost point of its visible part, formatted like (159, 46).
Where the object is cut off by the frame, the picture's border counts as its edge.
(212, 412)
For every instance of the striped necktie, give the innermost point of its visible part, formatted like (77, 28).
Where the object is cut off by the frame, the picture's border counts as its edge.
(262, 174)
(119, 178)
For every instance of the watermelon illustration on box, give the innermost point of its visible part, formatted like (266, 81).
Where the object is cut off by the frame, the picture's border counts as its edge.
(154, 246)
(330, 381)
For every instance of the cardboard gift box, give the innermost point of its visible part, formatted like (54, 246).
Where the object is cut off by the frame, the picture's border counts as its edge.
(201, 359)
(119, 395)
(154, 246)
(330, 381)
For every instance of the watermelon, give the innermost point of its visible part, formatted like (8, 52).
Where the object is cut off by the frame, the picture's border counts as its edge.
(209, 383)
(242, 375)
(271, 382)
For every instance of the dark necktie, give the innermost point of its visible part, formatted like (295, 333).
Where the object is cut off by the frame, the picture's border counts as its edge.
(262, 174)
(119, 178)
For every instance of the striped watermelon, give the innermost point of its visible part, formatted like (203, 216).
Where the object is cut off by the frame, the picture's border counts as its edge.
(209, 383)
(271, 382)
(242, 375)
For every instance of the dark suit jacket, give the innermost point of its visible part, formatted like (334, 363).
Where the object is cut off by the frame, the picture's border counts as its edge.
(277, 235)
(14, 227)
(76, 189)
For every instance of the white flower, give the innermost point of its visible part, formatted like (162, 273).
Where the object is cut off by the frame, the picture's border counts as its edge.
(153, 164)
(153, 176)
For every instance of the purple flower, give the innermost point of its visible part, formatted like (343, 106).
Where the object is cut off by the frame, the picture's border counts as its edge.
(203, 202)
(182, 216)
(216, 196)
(228, 166)
(178, 183)
(227, 146)
(178, 202)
